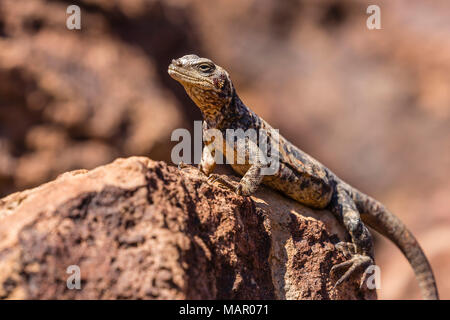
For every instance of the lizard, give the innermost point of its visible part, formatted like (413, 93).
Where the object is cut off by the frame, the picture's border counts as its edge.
(299, 176)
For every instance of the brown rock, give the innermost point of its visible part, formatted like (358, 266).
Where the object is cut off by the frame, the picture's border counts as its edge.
(88, 96)
(142, 229)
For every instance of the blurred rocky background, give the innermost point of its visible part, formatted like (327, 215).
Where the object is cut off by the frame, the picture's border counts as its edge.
(373, 105)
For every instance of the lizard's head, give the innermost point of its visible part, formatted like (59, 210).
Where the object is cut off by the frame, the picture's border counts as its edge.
(208, 84)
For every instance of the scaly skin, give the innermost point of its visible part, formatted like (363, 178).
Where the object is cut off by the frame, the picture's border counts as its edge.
(300, 177)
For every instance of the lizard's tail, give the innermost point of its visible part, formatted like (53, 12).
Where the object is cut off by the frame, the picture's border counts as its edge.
(379, 218)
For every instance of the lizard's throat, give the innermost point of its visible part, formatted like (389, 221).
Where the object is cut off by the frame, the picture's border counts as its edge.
(213, 115)
(212, 106)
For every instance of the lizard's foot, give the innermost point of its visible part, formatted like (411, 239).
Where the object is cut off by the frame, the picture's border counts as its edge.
(243, 190)
(225, 182)
(347, 248)
(229, 184)
(356, 263)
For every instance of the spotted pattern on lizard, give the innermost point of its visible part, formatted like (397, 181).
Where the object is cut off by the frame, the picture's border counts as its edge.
(299, 177)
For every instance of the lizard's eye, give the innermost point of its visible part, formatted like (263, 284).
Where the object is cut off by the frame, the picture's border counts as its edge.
(206, 67)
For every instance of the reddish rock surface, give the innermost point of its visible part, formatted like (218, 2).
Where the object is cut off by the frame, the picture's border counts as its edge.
(141, 229)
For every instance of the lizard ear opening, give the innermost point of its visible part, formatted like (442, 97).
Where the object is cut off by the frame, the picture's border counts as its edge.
(219, 82)
(223, 83)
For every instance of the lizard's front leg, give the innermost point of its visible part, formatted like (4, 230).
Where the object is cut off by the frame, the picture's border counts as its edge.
(252, 177)
(207, 162)
(247, 185)
(345, 210)
(250, 181)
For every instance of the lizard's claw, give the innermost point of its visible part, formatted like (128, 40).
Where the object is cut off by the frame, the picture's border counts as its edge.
(213, 178)
(239, 189)
(356, 263)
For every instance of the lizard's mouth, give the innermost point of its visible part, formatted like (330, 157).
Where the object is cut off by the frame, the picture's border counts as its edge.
(180, 76)
(175, 73)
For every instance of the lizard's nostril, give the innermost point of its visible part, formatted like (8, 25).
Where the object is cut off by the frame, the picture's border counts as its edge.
(176, 62)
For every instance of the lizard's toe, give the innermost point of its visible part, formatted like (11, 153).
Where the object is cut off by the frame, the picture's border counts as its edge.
(239, 189)
(212, 178)
(357, 263)
(224, 182)
(347, 248)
